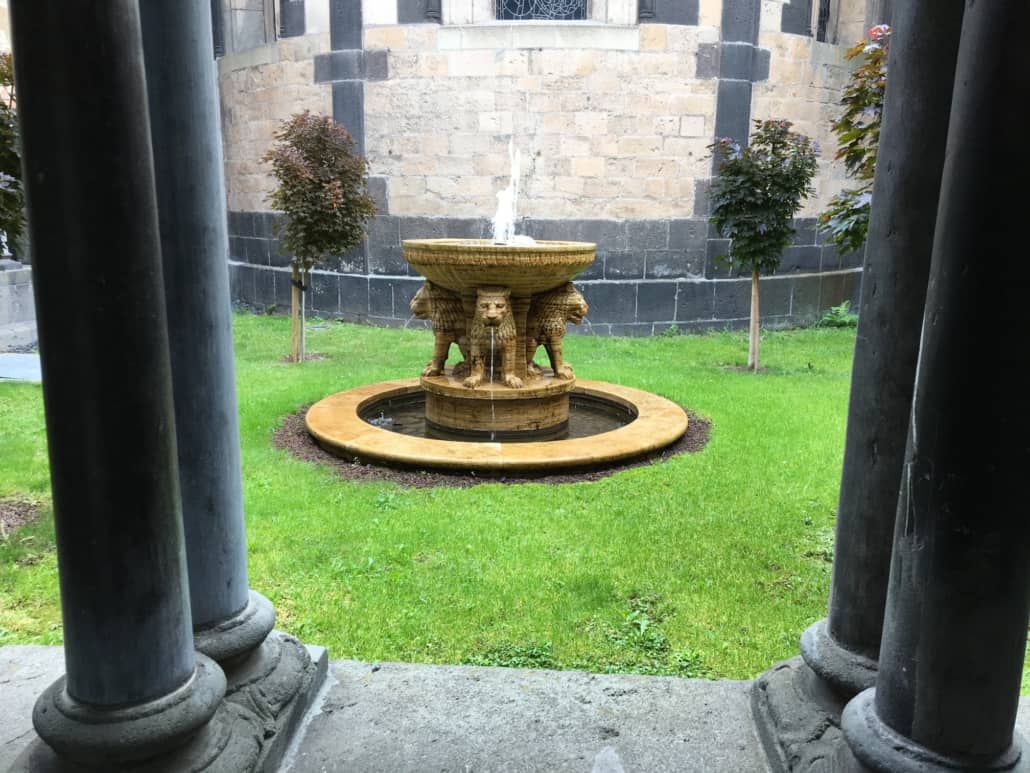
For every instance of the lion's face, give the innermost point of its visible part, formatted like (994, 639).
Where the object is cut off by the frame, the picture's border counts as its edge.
(421, 305)
(575, 304)
(577, 308)
(492, 307)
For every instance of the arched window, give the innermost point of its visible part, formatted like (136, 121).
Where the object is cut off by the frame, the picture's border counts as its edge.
(554, 10)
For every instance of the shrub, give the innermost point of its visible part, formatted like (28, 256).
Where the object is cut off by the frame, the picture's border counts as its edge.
(12, 199)
(758, 191)
(839, 316)
(322, 187)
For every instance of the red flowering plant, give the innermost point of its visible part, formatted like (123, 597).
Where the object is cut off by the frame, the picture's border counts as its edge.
(322, 187)
(846, 219)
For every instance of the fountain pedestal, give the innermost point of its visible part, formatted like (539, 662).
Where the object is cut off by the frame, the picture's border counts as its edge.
(498, 303)
(537, 411)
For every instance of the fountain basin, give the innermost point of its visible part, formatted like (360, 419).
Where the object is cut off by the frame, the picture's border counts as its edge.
(461, 265)
(337, 425)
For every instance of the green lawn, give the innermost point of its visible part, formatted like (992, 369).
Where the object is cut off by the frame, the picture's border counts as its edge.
(708, 564)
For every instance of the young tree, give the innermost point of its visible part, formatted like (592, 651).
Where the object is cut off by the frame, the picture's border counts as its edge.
(758, 190)
(846, 219)
(12, 200)
(322, 187)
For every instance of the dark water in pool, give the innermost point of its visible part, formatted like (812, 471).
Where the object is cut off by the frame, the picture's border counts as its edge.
(588, 416)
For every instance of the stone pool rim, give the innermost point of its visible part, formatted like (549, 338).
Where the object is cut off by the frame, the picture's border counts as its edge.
(336, 425)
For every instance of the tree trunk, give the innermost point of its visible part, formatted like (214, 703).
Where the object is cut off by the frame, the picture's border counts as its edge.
(303, 317)
(295, 306)
(752, 342)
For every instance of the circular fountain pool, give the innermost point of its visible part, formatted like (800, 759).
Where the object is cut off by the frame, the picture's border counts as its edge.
(385, 423)
(496, 410)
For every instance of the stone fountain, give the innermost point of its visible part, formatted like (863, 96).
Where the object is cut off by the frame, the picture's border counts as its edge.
(497, 303)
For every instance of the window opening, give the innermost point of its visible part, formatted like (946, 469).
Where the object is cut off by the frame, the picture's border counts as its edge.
(553, 10)
(824, 17)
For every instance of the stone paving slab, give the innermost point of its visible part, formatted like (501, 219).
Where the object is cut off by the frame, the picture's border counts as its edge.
(404, 718)
(20, 367)
(401, 718)
(18, 336)
(25, 671)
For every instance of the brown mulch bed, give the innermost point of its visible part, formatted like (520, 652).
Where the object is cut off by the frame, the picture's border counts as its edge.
(293, 436)
(16, 512)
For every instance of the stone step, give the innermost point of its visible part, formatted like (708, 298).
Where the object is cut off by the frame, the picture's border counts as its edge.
(18, 336)
(16, 301)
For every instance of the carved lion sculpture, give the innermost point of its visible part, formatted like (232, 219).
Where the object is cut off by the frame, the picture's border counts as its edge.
(545, 326)
(445, 310)
(492, 337)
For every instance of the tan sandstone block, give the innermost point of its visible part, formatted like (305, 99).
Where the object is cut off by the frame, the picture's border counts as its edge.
(574, 147)
(652, 37)
(407, 186)
(575, 101)
(665, 125)
(478, 64)
(640, 146)
(558, 123)
(303, 46)
(591, 123)
(514, 63)
(604, 146)
(772, 12)
(710, 13)
(569, 185)
(656, 168)
(655, 188)
(495, 123)
(587, 167)
(431, 64)
(386, 37)
(422, 37)
(692, 126)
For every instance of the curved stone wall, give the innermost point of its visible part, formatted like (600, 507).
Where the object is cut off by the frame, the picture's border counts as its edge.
(612, 120)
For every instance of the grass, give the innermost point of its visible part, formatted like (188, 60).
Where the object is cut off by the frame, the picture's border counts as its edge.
(708, 564)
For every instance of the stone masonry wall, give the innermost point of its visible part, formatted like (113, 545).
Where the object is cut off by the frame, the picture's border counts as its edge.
(612, 122)
(804, 85)
(259, 88)
(615, 133)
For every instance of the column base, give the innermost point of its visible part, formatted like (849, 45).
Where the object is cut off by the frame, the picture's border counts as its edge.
(99, 737)
(250, 731)
(874, 747)
(236, 636)
(847, 673)
(276, 685)
(797, 717)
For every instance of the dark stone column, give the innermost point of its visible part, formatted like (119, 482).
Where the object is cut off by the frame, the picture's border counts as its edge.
(269, 674)
(134, 687)
(959, 598)
(878, 12)
(843, 648)
(798, 703)
(187, 143)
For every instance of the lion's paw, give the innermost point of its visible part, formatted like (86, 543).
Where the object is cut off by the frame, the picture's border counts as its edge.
(564, 373)
(431, 370)
(513, 381)
(472, 382)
